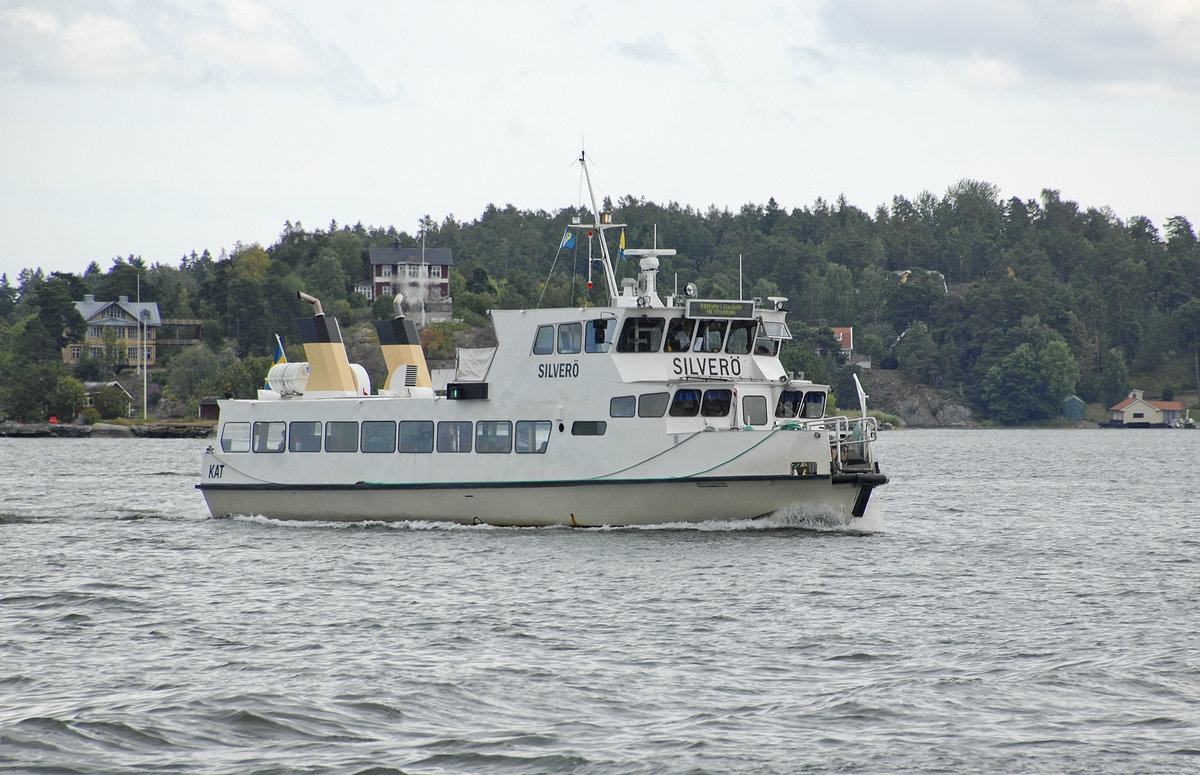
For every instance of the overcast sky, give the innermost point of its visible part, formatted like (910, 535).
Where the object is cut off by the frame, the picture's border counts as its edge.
(158, 128)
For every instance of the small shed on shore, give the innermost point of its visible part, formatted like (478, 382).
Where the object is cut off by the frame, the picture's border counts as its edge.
(90, 390)
(1073, 407)
(209, 410)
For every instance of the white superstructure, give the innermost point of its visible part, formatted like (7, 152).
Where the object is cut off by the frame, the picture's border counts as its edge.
(640, 412)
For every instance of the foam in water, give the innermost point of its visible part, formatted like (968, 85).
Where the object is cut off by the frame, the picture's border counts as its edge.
(815, 518)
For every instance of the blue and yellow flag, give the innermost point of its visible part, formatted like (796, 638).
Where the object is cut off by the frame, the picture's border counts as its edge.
(568, 240)
(280, 357)
(622, 248)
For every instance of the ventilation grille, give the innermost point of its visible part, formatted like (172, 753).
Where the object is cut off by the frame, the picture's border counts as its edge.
(410, 376)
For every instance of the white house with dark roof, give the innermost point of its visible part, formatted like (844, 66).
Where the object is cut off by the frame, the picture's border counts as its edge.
(128, 320)
(422, 275)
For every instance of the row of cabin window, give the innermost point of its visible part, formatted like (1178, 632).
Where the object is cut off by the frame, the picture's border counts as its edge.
(645, 334)
(497, 436)
(716, 402)
(486, 436)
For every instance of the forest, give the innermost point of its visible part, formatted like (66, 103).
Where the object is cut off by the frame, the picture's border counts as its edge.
(1006, 305)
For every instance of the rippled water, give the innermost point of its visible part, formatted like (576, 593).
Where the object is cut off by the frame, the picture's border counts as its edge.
(1019, 601)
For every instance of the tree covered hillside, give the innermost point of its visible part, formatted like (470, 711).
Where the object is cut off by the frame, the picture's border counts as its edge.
(1009, 304)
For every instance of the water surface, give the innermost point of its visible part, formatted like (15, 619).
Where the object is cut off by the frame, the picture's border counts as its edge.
(1014, 601)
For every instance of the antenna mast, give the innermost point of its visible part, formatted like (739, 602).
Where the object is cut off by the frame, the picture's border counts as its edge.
(600, 223)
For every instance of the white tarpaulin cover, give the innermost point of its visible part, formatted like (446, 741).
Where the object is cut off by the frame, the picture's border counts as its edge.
(473, 363)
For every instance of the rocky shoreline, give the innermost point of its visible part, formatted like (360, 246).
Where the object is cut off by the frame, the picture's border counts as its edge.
(105, 430)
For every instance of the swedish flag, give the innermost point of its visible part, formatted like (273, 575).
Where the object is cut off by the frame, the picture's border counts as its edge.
(568, 240)
(280, 357)
(621, 250)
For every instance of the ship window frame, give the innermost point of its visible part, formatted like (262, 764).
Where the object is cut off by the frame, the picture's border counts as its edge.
(385, 443)
(532, 441)
(776, 329)
(812, 398)
(543, 340)
(711, 402)
(756, 415)
(626, 408)
(704, 341)
(235, 437)
(736, 326)
(679, 335)
(263, 443)
(455, 446)
(765, 345)
(685, 402)
(780, 406)
(338, 431)
(423, 440)
(641, 334)
(301, 437)
(653, 404)
(493, 443)
(589, 427)
(570, 338)
(589, 335)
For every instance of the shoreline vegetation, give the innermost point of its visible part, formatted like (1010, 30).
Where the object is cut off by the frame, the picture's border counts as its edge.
(970, 309)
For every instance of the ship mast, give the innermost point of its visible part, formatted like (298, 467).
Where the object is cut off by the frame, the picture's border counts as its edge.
(601, 221)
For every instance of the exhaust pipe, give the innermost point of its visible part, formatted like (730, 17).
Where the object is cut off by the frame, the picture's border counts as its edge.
(313, 300)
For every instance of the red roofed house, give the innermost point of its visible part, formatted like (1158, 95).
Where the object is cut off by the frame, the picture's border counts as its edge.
(421, 275)
(1137, 412)
(845, 337)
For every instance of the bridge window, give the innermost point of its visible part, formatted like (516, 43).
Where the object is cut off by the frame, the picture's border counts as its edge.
(686, 403)
(716, 402)
(641, 335)
(710, 334)
(789, 403)
(741, 335)
(543, 344)
(341, 437)
(599, 335)
(570, 338)
(304, 437)
(679, 335)
(814, 404)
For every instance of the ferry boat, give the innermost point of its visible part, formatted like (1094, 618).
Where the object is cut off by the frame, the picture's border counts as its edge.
(644, 411)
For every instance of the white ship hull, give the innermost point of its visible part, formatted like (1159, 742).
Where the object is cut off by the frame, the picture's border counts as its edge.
(576, 504)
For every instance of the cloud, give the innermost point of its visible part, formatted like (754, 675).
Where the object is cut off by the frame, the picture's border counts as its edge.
(649, 49)
(223, 43)
(1102, 44)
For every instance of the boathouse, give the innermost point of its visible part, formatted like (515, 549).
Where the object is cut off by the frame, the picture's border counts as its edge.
(1138, 412)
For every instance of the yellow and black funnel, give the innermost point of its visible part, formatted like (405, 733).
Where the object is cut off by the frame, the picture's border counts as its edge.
(329, 367)
(402, 352)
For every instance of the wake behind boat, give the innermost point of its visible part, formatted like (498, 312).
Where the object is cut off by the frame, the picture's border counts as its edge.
(644, 411)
